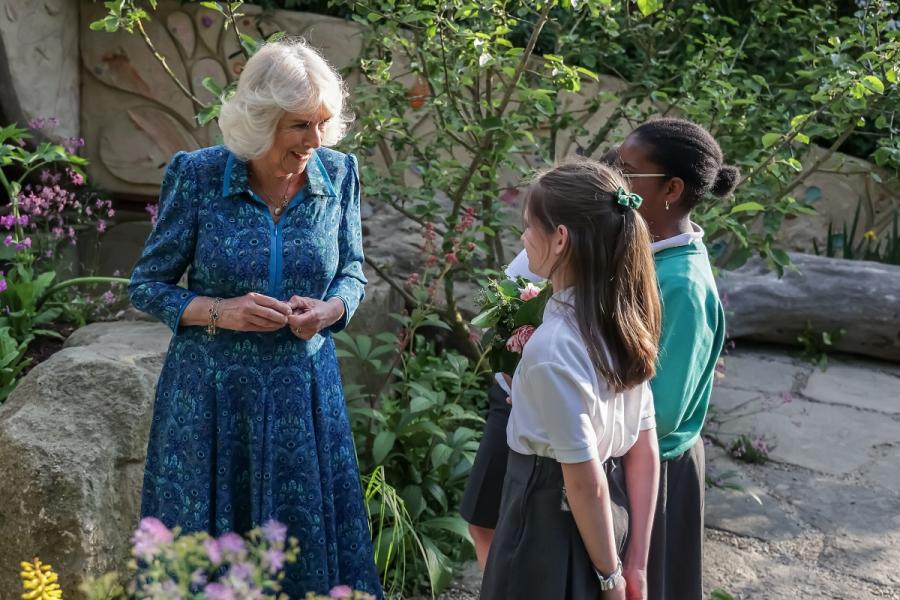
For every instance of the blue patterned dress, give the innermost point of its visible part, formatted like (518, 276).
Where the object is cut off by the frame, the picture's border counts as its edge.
(249, 427)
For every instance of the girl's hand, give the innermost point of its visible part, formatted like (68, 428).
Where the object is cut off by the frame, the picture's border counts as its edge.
(636, 580)
(253, 312)
(310, 316)
(617, 593)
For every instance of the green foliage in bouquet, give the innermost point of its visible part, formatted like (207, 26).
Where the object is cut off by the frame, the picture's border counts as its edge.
(511, 311)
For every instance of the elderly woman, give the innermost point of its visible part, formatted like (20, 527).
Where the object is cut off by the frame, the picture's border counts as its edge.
(249, 422)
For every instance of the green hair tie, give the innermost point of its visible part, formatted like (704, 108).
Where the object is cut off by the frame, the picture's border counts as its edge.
(628, 200)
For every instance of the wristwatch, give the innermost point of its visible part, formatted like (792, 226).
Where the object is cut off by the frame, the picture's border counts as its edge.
(612, 580)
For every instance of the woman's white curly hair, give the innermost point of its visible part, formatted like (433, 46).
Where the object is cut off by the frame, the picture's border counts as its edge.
(284, 76)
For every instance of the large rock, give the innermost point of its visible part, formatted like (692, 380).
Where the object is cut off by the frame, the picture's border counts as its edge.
(73, 440)
(826, 295)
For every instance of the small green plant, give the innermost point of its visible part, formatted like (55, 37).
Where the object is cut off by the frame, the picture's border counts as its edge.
(754, 450)
(28, 284)
(870, 247)
(816, 345)
(720, 594)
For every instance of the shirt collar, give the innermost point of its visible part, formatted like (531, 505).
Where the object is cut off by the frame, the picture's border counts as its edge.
(560, 303)
(236, 180)
(682, 239)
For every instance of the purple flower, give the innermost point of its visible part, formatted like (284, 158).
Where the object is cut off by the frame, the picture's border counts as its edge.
(72, 144)
(213, 551)
(219, 591)
(231, 543)
(9, 241)
(150, 535)
(241, 571)
(23, 220)
(340, 591)
(273, 560)
(7, 221)
(275, 532)
(206, 21)
(108, 297)
(3, 285)
(153, 209)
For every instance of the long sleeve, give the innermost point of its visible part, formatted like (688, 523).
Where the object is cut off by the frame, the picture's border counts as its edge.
(169, 249)
(349, 281)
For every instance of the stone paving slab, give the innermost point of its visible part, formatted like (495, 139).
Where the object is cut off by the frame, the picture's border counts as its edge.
(830, 439)
(884, 470)
(861, 523)
(751, 511)
(850, 385)
(761, 371)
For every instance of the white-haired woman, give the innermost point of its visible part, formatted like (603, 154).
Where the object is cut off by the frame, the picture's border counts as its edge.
(249, 423)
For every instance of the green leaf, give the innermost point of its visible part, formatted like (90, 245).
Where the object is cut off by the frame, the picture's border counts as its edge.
(802, 138)
(420, 404)
(873, 83)
(384, 443)
(486, 319)
(648, 7)
(770, 139)
(781, 257)
(440, 455)
(454, 525)
(747, 207)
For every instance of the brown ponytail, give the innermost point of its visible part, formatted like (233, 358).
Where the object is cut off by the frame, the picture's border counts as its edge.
(617, 308)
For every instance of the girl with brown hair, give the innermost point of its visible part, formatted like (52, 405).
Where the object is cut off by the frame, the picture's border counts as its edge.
(583, 464)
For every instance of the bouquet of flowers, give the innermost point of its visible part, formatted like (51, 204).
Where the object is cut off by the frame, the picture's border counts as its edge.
(511, 311)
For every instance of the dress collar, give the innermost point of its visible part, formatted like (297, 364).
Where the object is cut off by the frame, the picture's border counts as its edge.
(236, 180)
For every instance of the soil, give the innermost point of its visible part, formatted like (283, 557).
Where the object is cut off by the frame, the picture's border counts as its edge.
(44, 346)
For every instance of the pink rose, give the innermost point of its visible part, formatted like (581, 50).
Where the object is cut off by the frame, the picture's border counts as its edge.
(528, 292)
(340, 591)
(519, 338)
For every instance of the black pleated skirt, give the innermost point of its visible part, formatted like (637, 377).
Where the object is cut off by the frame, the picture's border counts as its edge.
(537, 550)
(480, 503)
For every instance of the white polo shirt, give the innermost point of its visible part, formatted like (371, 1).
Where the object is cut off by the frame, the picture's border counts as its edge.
(562, 408)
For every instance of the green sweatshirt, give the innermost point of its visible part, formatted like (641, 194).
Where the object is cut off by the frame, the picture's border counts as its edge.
(693, 333)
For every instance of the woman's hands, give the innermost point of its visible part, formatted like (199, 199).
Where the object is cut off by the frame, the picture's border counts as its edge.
(253, 312)
(260, 313)
(310, 316)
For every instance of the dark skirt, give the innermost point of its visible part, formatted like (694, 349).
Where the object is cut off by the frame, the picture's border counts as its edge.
(675, 567)
(480, 503)
(537, 550)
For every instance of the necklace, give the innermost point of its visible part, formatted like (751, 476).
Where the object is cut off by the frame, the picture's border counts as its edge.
(282, 203)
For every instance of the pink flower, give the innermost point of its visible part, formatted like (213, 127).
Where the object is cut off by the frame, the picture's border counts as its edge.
(153, 209)
(75, 177)
(451, 258)
(273, 560)
(231, 543)
(150, 535)
(341, 591)
(528, 292)
(518, 339)
(274, 531)
(213, 552)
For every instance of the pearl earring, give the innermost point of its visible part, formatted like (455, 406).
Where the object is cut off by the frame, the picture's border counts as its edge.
(667, 205)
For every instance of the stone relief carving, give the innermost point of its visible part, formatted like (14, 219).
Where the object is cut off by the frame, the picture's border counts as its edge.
(134, 117)
(39, 62)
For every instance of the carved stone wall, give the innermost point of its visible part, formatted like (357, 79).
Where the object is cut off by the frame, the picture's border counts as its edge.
(39, 62)
(134, 117)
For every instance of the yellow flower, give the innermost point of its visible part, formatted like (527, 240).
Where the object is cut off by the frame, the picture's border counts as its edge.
(39, 581)
(870, 235)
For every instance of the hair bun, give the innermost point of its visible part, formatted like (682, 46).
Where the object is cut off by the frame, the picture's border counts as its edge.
(726, 181)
